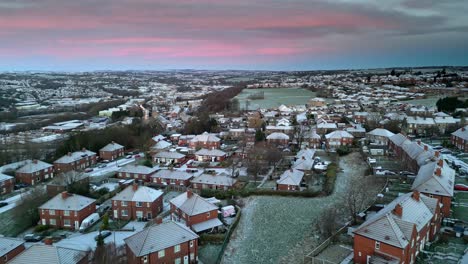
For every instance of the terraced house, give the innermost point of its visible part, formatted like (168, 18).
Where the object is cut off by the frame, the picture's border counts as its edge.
(10, 248)
(205, 140)
(136, 172)
(137, 203)
(398, 232)
(34, 171)
(78, 160)
(459, 139)
(7, 183)
(111, 151)
(168, 242)
(172, 177)
(66, 210)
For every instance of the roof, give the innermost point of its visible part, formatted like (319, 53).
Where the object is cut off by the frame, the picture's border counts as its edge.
(141, 194)
(303, 164)
(139, 169)
(4, 177)
(306, 153)
(193, 205)
(205, 137)
(161, 145)
(277, 135)
(7, 244)
(73, 202)
(214, 179)
(45, 254)
(33, 166)
(381, 132)
(461, 133)
(427, 181)
(338, 134)
(398, 139)
(211, 152)
(169, 155)
(112, 147)
(291, 177)
(208, 224)
(158, 237)
(389, 228)
(420, 120)
(75, 156)
(172, 174)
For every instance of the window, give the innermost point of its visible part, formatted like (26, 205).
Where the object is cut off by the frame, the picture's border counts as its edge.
(176, 248)
(145, 259)
(52, 212)
(139, 204)
(52, 222)
(161, 253)
(208, 214)
(191, 243)
(124, 213)
(123, 203)
(66, 222)
(66, 213)
(377, 245)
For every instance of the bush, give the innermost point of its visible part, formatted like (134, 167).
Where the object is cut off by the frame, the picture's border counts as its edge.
(211, 239)
(343, 150)
(41, 228)
(330, 178)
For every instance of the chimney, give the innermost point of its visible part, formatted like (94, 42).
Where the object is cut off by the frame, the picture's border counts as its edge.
(438, 171)
(135, 186)
(440, 163)
(112, 142)
(291, 170)
(158, 220)
(34, 161)
(415, 195)
(69, 153)
(437, 154)
(303, 158)
(463, 128)
(48, 241)
(398, 211)
(426, 148)
(65, 195)
(83, 149)
(419, 142)
(189, 193)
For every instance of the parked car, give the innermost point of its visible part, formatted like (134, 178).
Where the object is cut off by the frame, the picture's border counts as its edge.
(20, 186)
(88, 170)
(128, 157)
(102, 166)
(371, 160)
(406, 173)
(137, 156)
(3, 204)
(461, 187)
(32, 238)
(103, 234)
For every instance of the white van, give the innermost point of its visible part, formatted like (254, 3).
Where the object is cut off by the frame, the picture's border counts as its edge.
(89, 221)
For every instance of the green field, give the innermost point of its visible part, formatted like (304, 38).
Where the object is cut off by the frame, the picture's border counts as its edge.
(275, 97)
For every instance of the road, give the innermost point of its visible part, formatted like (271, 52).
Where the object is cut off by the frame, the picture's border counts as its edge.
(13, 201)
(113, 166)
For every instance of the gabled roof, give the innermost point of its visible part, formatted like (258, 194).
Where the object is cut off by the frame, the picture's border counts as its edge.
(214, 179)
(389, 228)
(112, 147)
(338, 134)
(172, 174)
(7, 244)
(205, 137)
(139, 169)
(4, 177)
(211, 152)
(193, 205)
(427, 180)
(141, 194)
(306, 153)
(46, 254)
(72, 202)
(461, 133)
(278, 135)
(75, 156)
(161, 145)
(303, 164)
(381, 132)
(158, 237)
(291, 177)
(169, 155)
(33, 166)
(399, 139)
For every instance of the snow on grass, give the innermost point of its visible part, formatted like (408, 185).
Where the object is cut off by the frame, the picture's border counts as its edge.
(270, 227)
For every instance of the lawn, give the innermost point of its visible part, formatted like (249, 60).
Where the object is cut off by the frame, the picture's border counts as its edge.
(281, 229)
(460, 206)
(11, 226)
(209, 253)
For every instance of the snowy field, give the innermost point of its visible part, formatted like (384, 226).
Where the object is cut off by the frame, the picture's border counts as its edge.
(275, 229)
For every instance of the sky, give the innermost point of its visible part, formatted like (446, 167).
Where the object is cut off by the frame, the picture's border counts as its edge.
(86, 35)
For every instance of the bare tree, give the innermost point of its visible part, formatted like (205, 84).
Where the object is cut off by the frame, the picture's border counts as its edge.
(358, 195)
(274, 157)
(109, 253)
(27, 208)
(326, 223)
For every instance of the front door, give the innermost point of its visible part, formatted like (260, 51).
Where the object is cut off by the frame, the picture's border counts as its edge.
(185, 259)
(77, 225)
(116, 214)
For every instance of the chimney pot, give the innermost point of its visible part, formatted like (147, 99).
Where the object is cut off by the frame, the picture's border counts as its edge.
(438, 172)
(83, 149)
(64, 195)
(69, 153)
(441, 163)
(419, 142)
(34, 161)
(398, 211)
(158, 220)
(463, 128)
(48, 241)
(135, 186)
(189, 193)
(426, 148)
(415, 195)
(437, 154)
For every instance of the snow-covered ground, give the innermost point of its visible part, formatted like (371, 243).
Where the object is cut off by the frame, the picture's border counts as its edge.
(13, 201)
(113, 166)
(272, 229)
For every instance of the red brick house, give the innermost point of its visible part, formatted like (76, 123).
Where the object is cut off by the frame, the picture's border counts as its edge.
(205, 140)
(459, 139)
(396, 142)
(7, 184)
(78, 160)
(398, 232)
(171, 157)
(360, 117)
(111, 151)
(290, 180)
(10, 248)
(168, 242)
(278, 139)
(51, 254)
(210, 155)
(66, 210)
(212, 181)
(137, 203)
(34, 171)
(194, 211)
(172, 177)
(339, 138)
(136, 172)
(184, 140)
(436, 179)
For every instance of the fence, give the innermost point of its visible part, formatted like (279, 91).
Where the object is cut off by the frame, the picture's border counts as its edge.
(312, 256)
(228, 235)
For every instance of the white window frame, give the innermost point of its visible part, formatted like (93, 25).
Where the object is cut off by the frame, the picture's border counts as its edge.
(66, 212)
(377, 245)
(122, 212)
(176, 248)
(161, 253)
(65, 224)
(51, 212)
